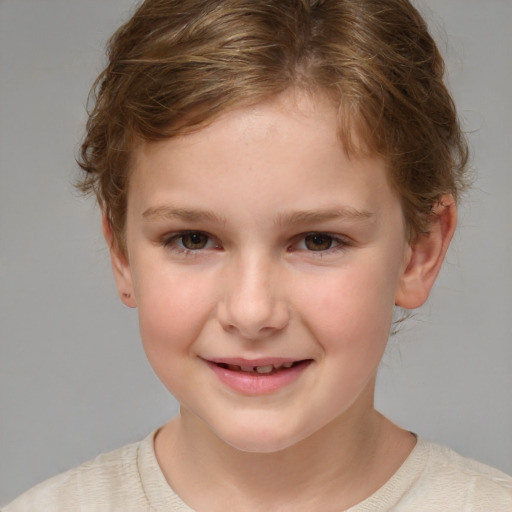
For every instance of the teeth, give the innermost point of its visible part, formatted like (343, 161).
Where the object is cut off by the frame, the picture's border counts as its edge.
(258, 369)
(264, 369)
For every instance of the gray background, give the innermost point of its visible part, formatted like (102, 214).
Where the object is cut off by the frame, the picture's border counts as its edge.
(73, 377)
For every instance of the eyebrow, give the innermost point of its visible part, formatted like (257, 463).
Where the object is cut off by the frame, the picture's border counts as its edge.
(291, 218)
(188, 214)
(325, 214)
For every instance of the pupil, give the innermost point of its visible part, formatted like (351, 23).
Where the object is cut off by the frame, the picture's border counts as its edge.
(318, 242)
(194, 240)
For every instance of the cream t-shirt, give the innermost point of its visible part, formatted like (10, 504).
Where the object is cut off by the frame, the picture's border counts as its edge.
(433, 478)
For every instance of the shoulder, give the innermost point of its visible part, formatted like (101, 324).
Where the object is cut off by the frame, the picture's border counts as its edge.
(453, 479)
(110, 479)
(435, 478)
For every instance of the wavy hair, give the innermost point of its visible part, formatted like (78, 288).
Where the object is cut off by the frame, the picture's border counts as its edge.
(177, 64)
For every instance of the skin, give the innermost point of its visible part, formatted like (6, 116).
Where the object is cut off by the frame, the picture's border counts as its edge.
(297, 251)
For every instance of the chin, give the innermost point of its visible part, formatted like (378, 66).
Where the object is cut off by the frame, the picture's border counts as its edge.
(260, 439)
(259, 445)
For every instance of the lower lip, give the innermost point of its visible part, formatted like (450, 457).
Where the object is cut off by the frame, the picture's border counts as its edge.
(250, 383)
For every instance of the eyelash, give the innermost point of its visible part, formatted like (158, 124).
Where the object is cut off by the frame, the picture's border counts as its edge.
(340, 243)
(174, 242)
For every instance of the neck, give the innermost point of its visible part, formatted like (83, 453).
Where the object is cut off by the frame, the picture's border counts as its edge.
(346, 461)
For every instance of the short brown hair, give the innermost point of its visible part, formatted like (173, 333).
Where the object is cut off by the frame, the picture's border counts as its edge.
(177, 64)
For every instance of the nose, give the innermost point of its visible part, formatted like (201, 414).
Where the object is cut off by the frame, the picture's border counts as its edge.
(253, 306)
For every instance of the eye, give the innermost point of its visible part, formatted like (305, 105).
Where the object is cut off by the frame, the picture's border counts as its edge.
(319, 242)
(189, 241)
(194, 241)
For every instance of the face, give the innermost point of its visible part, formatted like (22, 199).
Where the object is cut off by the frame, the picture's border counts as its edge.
(265, 265)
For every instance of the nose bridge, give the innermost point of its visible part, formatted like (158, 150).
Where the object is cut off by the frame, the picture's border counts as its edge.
(253, 304)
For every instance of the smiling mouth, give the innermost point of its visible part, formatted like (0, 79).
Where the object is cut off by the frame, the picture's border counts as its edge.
(259, 376)
(268, 369)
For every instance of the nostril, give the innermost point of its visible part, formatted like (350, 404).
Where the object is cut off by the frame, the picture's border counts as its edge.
(254, 315)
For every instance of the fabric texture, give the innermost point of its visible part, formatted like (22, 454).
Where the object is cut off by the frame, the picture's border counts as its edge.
(433, 478)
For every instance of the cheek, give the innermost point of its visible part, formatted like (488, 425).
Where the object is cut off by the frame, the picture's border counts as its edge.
(352, 306)
(172, 310)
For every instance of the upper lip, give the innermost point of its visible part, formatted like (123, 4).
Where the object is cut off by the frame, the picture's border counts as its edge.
(260, 361)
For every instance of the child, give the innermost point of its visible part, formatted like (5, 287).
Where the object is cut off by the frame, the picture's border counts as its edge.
(274, 177)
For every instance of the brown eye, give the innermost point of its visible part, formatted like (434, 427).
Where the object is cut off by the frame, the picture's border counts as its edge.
(194, 241)
(318, 242)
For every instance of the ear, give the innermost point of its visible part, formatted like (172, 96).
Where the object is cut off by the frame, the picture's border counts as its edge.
(426, 255)
(120, 265)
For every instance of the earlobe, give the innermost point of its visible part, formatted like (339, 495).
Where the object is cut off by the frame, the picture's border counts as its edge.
(426, 255)
(120, 265)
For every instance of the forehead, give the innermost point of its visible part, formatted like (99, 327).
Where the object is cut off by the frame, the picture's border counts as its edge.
(287, 147)
(306, 106)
